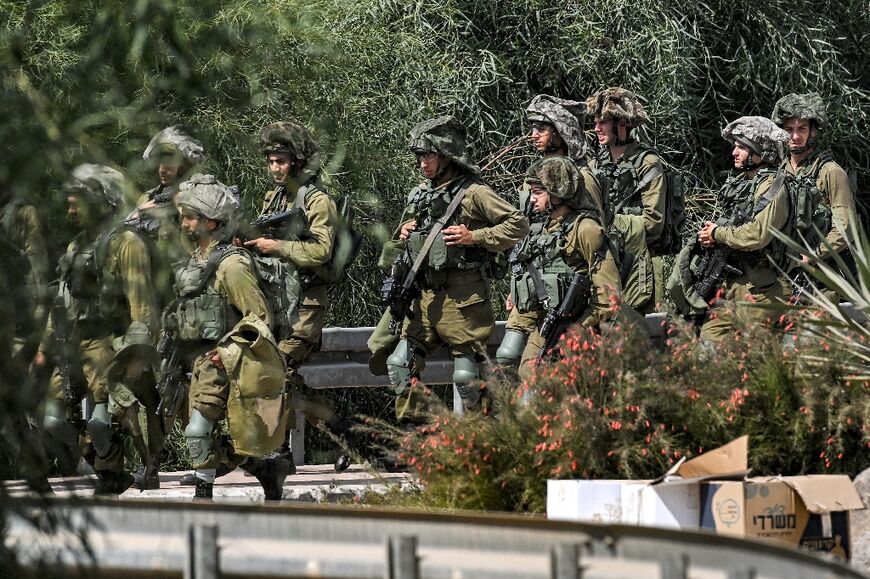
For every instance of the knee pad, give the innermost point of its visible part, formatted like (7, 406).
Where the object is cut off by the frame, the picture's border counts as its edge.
(198, 435)
(56, 425)
(100, 429)
(466, 371)
(401, 366)
(510, 351)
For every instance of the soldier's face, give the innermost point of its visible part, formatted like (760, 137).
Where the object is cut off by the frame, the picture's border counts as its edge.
(280, 165)
(800, 131)
(540, 199)
(741, 154)
(78, 211)
(168, 173)
(544, 137)
(194, 225)
(430, 163)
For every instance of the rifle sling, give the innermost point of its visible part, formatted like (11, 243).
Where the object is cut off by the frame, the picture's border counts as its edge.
(771, 193)
(619, 203)
(430, 239)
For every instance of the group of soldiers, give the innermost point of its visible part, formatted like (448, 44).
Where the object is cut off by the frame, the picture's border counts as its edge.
(587, 245)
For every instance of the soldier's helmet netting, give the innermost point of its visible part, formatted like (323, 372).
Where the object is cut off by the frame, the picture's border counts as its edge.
(293, 139)
(175, 139)
(760, 135)
(800, 106)
(446, 136)
(209, 197)
(566, 116)
(562, 179)
(99, 183)
(617, 103)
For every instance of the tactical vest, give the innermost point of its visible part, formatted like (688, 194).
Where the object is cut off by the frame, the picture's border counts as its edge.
(92, 295)
(543, 249)
(810, 204)
(739, 205)
(429, 205)
(203, 313)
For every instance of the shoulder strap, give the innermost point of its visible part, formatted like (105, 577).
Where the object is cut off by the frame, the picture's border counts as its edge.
(771, 193)
(619, 203)
(436, 229)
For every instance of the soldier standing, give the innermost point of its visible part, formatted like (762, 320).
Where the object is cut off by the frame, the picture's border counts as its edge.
(557, 132)
(293, 157)
(103, 326)
(815, 173)
(221, 319)
(571, 239)
(637, 192)
(453, 306)
(753, 202)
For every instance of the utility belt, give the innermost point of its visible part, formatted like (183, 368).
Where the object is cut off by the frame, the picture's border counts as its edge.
(436, 280)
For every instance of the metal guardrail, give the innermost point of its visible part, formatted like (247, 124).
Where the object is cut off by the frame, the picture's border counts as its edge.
(207, 540)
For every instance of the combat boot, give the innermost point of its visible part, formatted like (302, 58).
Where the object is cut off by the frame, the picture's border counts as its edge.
(342, 428)
(204, 491)
(146, 479)
(112, 483)
(270, 473)
(190, 479)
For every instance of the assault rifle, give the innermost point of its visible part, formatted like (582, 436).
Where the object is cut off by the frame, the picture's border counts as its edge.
(713, 267)
(171, 386)
(398, 293)
(576, 300)
(72, 378)
(283, 225)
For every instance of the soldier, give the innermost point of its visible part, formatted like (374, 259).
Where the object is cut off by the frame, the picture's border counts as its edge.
(557, 131)
(221, 319)
(815, 172)
(570, 240)
(753, 203)
(453, 306)
(103, 326)
(294, 163)
(637, 195)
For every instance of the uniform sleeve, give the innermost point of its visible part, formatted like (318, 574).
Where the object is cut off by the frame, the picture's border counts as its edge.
(237, 280)
(582, 247)
(593, 188)
(134, 270)
(316, 249)
(653, 197)
(507, 225)
(840, 198)
(756, 234)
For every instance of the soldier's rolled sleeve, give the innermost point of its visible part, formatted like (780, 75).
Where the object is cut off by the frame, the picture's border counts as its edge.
(134, 269)
(238, 281)
(653, 198)
(757, 233)
(316, 248)
(834, 182)
(584, 241)
(508, 223)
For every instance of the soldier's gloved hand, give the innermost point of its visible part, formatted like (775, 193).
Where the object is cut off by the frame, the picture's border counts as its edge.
(215, 358)
(406, 229)
(264, 245)
(458, 235)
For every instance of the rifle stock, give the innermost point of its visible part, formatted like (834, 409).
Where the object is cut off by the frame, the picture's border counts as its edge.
(170, 387)
(575, 300)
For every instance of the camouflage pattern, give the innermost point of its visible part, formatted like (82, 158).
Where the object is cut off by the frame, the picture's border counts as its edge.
(288, 137)
(208, 197)
(566, 116)
(760, 134)
(616, 103)
(800, 106)
(446, 136)
(175, 139)
(99, 183)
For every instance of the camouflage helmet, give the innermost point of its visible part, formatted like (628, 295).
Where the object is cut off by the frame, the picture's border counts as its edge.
(562, 179)
(616, 103)
(760, 135)
(175, 139)
(800, 106)
(288, 137)
(208, 197)
(566, 116)
(444, 135)
(99, 183)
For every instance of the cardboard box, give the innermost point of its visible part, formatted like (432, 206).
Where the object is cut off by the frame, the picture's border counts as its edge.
(810, 511)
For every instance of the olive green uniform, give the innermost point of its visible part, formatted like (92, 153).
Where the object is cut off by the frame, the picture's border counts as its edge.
(231, 294)
(310, 254)
(754, 243)
(100, 309)
(20, 223)
(640, 222)
(453, 307)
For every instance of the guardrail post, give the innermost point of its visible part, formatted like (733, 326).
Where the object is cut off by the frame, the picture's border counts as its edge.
(203, 561)
(402, 560)
(564, 562)
(675, 566)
